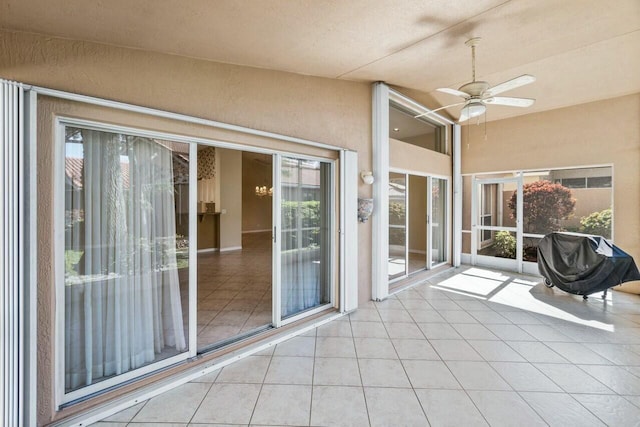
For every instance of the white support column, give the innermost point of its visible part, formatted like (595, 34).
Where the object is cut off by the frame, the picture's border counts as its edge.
(519, 221)
(11, 259)
(380, 217)
(457, 197)
(348, 230)
(29, 212)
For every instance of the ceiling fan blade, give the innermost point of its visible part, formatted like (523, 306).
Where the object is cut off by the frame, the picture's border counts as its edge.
(453, 92)
(509, 101)
(438, 109)
(525, 79)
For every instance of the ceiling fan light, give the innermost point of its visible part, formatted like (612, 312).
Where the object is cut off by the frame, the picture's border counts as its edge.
(475, 109)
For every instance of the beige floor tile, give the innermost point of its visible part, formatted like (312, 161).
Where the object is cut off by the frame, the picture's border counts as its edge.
(338, 406)
(474, 331)
(126, 415)
(228, 403)
(616, 378)
(457, 316)
(336, 371)
(430, 374)
(404, 330)
(417, 304)
(572, 379)
(496, 351)
(365, 315)
(536, 352)
(449, 408)
(290, 370)
(477, 376)
(375, 348)
(335, 347)
(524, 377)
(369, 330)
(394, 407)
(612, 410)
(560, 410)
(505, 408)
(577, 353)
(490, 318)
(335, 329)
(251, 369)
(455, 350)
(176, 405)
(207, 378)
(424, 316)
(415, 349)
(546, 333)
(382, 373)
(297, 346)
(400, 315)
(439, 331)
(510, 332)
(283, 405)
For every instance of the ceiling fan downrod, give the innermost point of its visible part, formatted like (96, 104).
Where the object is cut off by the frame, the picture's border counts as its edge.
(473, 42)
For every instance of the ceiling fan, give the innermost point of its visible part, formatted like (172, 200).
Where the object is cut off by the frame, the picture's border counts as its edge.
(478, 94)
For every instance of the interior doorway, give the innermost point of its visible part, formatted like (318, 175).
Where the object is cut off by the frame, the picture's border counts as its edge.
(418, 238)
(265, 233)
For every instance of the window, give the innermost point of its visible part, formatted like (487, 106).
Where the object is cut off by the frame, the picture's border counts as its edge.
(599, 182)
(421, 131)
(125, 286)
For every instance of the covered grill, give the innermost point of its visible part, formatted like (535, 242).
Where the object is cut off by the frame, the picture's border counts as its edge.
(582, 264)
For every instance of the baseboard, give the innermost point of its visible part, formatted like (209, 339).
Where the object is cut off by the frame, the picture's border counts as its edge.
(206, 250)
(256, 231)
(231, 248)
(412, 251)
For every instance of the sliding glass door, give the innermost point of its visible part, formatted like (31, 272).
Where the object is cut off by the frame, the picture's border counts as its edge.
(304, 244)
(397, 225)
(125, 289)
(418, 228)
(438, 221)
(134, 296)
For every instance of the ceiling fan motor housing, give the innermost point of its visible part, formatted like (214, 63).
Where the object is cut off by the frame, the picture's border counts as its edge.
(476, 88)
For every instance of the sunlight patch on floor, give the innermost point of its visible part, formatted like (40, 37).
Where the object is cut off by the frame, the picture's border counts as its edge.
(525, 293)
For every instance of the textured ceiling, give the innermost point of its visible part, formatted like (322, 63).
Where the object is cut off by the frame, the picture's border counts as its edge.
(579, 50)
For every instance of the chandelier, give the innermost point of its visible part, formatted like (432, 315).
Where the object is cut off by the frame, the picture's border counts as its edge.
(264, 191)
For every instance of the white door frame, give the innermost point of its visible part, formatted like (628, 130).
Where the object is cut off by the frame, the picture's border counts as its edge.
(477, 228)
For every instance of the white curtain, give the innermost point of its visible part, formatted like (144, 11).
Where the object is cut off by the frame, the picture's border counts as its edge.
(122, 298)
(304, 236)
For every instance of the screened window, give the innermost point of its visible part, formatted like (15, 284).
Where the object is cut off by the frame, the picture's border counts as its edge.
(421, 131)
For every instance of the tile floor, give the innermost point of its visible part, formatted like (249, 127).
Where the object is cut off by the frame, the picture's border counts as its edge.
(234, 290)
(470, 347)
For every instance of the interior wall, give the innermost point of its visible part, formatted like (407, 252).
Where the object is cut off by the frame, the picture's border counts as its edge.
(230, 199)
(416, 159)
(417, 214)
(597, 133)
(324, 110)
(257, 211)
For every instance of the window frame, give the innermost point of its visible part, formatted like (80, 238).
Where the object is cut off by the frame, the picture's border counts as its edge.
(63, 398)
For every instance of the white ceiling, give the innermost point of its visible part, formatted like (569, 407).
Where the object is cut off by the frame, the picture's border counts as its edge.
(579, 50)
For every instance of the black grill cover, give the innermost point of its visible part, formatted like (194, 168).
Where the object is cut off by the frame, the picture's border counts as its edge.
(582, 264)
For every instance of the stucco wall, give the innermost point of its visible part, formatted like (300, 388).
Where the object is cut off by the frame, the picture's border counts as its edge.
(323, 110)
(598, 133)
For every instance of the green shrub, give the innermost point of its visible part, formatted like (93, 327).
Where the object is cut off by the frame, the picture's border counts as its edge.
(505, 244)
(544, 205)
(598, 223)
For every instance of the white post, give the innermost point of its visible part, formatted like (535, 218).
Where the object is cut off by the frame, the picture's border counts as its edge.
(11, 260)
(380, 217)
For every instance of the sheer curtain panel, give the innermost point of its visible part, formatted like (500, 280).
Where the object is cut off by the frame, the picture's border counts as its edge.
(123, 303)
